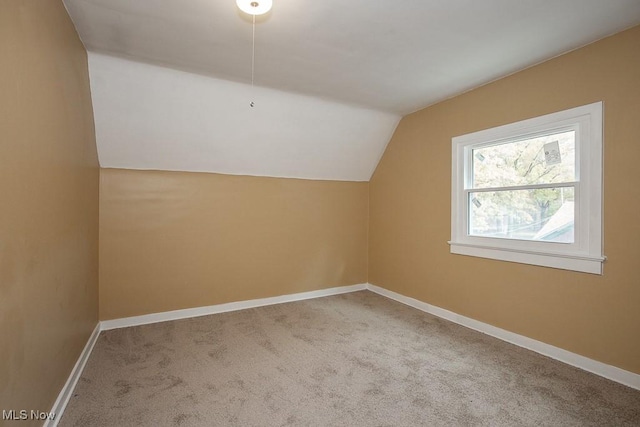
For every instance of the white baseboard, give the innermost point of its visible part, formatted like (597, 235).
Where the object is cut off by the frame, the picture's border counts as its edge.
(65, 394)
(613, 373)
(223, 308)
(621, 376)
(607, 371)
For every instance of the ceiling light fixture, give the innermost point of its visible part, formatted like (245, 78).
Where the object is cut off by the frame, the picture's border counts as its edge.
(255, 7)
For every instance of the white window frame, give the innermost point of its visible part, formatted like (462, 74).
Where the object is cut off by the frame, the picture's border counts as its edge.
(586, 253)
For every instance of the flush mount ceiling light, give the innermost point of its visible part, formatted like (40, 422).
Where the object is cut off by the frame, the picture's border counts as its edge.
(255, 7)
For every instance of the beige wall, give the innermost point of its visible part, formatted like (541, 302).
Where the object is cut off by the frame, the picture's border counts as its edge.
(171, 240)
(174, 240)
(595, 316)
(49, 214)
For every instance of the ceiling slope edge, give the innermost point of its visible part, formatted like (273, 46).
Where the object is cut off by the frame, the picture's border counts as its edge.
(150, 117)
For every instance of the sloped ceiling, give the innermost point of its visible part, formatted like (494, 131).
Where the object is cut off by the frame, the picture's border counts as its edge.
(149, 117)
(170, 79)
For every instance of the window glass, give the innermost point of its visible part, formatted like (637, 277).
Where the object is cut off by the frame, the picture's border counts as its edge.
(531, 191)
(526, 161)
(545, 214)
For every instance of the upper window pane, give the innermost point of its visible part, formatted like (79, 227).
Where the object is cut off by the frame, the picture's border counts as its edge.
(540, 160)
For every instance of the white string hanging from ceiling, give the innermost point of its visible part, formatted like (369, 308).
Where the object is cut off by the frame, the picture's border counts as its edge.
(254, 7)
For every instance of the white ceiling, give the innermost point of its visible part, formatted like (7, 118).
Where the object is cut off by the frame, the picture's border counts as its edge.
(333, 77)
(395, 56)
(150, 117)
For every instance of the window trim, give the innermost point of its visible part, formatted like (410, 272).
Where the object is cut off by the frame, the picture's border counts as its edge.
(585, 254)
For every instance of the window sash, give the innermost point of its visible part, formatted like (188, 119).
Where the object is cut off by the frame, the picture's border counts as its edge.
(585, 253)
(566, 126)
(522, 225)
(523, 187)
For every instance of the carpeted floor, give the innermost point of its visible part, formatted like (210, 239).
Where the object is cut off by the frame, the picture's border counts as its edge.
(357, 359)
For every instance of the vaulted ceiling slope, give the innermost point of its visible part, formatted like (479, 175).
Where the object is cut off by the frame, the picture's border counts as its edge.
(150, 117)
(333, 77)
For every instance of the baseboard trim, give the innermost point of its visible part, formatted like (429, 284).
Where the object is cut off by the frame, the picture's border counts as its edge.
(223, 308)
(65, 394)
(613, 373)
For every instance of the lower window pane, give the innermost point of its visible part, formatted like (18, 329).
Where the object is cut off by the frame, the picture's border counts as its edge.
(541, 214)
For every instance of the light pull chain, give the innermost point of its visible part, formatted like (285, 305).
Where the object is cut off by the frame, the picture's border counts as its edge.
(253, 56)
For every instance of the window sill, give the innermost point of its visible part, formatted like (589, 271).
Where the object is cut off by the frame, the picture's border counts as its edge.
(582, 263)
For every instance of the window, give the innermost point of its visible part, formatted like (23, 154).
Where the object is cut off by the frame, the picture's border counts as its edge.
(531, 191)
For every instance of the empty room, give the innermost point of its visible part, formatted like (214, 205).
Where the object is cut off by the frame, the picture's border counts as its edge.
(333, 213)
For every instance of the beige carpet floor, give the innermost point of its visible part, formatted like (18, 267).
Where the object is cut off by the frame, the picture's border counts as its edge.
(357, 359)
